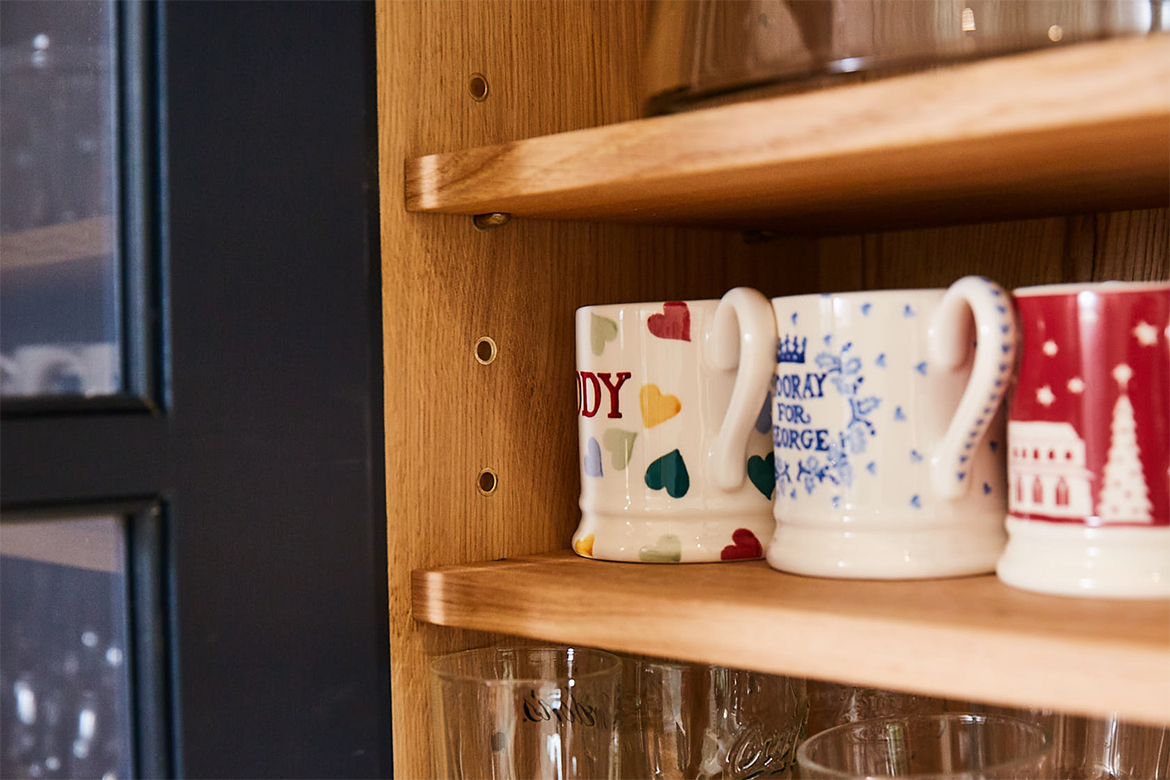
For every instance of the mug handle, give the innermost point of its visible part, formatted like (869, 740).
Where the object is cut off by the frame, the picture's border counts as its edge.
(949, 341)
(743, 334)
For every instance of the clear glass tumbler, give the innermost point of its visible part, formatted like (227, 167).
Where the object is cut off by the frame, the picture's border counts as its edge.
(1111, 749)
(834, 704)
(953, 746)
(525, 713)
(683, 721)
(1107, 748)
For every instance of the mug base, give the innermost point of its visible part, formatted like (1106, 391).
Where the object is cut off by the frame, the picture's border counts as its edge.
(694, 538)
(1067, 559)
(910, 553)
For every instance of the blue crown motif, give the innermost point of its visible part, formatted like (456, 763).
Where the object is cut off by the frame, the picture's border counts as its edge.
(791, 349)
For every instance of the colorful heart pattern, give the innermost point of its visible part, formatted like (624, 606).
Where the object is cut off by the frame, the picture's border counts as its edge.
(602, 330)
(592, 458)
(619, 444)
(656, 407)
(762, 473)
(668, 549)
(670, 472)
(744, 546)
(673, 323)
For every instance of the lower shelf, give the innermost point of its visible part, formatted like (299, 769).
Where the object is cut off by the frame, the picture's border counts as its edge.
(969, 638)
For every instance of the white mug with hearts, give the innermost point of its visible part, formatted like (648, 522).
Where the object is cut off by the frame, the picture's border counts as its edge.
(676, 461)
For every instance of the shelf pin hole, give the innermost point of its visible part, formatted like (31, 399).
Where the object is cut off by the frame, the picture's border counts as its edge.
(485, 350)
(487, 482)
(477, 87)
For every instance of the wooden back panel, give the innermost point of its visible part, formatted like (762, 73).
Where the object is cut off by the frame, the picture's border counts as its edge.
(554, 66)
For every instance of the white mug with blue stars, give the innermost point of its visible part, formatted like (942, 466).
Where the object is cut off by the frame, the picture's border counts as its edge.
(888, 432)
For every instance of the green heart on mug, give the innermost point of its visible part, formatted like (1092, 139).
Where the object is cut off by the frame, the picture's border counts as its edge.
(620, 444)
(669, 472)
(601, 331)
(762, 472)
(667, 549)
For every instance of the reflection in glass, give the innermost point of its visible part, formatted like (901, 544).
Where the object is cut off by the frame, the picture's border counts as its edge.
(64, 676)
(59, 272)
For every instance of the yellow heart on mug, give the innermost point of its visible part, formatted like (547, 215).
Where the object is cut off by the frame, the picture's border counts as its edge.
(584, 546)
(656, 407)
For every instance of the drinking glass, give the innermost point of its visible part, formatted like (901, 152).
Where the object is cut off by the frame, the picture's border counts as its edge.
(834, 704)
(1106, 748)
(1111, 749)
(526, 713)
(680, 720)
(952, 746)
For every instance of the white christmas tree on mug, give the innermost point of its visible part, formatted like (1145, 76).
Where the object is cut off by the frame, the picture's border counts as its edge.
(1125, 497)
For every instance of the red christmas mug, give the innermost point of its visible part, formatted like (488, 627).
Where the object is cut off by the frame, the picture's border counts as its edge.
(1089, 442)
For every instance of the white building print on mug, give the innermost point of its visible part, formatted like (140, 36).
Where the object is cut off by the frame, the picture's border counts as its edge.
(1048, 474)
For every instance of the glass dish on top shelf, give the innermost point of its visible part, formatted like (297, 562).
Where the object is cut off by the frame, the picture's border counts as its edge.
(707, 52)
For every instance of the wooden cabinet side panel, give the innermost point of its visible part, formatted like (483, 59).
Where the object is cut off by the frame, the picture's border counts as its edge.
(554, 66)
(550, 66)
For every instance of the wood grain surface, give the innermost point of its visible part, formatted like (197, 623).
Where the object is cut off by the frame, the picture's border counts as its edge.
(91, 238)
(95, 544)
(969, 637)
(1080, 128)
(551, 66)
(554, 67)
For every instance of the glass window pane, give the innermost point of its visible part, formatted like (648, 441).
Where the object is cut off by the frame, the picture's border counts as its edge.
(64, 660)
(59, 274)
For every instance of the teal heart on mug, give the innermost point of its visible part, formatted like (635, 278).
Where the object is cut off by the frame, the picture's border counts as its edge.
(669, 472)
(762, 473)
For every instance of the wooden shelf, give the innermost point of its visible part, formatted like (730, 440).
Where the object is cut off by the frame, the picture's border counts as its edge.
(970, 638)
(68, 241)
(1077, 128)
(94, 544)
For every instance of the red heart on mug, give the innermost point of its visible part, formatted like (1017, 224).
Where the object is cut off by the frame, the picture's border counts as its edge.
(673, 323)
(745, 546)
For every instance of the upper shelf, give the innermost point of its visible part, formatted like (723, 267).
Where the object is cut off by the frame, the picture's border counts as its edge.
(61, 243)
(969, 638)
(1078, 128)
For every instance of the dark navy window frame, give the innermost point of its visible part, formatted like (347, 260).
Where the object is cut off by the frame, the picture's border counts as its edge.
(247, 449)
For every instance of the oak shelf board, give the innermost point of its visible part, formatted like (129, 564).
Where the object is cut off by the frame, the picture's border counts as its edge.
(967, 638)
(1084, 127)
(83, 544)
(90, 238)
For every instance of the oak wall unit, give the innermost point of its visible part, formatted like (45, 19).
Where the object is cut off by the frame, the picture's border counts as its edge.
(1099, 148)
